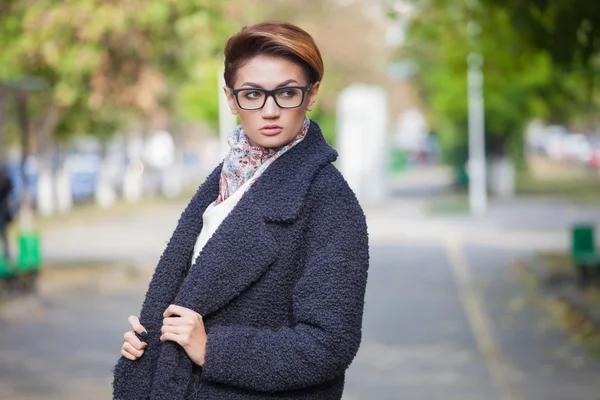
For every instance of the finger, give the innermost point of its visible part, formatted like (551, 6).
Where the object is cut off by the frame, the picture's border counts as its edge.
(182, 340)
(127, 355)
(134, 341)
(176, 329)
(177, 321)
(175, 310)
(131, 350)
(137, 326)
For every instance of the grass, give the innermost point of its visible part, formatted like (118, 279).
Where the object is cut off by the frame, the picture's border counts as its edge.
(576, 183)
(458, 204)
(89, 211)
(544, 179)
(91, 276)
(75, 276)
(560, 265)
(557, 263)
(584, 191)
(582, 329)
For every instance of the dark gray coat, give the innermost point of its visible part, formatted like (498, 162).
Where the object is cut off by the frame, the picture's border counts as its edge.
(280, 286)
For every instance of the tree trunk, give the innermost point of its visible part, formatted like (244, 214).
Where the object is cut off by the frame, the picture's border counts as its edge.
(590, 52)
(26, 212)
(47, 187)
(2, 121)
(589, 107)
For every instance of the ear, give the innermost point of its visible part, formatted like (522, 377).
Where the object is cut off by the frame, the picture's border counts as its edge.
(312, 96)
(231, 101)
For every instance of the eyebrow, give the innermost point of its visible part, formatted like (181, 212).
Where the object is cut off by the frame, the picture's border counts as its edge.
(256, 85)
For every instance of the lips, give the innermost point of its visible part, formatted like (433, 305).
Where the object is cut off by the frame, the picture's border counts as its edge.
(271, 130)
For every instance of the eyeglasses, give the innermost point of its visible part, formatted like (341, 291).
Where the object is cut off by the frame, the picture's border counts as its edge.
(255, 99)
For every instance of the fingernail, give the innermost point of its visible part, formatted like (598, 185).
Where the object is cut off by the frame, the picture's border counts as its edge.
(145, 334)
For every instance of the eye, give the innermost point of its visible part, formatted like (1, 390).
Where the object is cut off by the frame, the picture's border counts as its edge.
(252, 94)
(287, 93)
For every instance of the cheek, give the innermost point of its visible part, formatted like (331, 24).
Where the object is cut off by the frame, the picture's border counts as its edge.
(298, 116)
(248, 118)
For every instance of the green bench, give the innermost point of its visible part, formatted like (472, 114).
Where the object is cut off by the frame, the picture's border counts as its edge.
(584, 254)
(22, 271)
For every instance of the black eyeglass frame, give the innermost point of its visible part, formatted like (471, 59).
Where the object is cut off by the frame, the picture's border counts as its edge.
(271, 93)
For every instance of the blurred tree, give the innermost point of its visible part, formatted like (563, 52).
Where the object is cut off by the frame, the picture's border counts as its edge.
(107, 63)
(103, 64)
(198, 98)
(518, 80)
(569, 31)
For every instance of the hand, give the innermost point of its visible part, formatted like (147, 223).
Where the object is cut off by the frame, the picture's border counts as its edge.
(186, 328)
(133, 348)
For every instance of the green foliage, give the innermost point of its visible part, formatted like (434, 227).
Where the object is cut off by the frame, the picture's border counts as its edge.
(521, 81)
(326, 121)
(108, 63)
(198, 99)
(568, 32)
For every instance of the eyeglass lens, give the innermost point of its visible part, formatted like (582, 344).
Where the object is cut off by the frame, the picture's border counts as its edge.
(284, 97)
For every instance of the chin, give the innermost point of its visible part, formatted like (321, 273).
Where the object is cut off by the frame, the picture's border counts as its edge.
(273, 141)
(278, 143)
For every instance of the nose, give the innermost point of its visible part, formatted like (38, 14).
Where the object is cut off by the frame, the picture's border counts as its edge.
(271, 109)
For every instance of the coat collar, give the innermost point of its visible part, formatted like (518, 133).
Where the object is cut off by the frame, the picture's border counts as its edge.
(280, 191)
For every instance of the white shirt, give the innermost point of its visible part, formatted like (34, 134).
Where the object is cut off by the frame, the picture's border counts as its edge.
(214, 215)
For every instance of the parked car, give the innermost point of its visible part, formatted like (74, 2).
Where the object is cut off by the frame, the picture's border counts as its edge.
(593, 159)
(553, 145)
(576, 147)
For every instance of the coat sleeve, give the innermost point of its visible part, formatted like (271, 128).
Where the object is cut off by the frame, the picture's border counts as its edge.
(327, 306)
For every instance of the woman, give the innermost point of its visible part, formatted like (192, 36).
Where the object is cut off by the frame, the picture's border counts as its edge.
(6, 214)
(259, 293)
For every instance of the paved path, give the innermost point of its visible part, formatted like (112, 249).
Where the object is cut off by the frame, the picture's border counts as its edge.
(444, 317)
(134, 236)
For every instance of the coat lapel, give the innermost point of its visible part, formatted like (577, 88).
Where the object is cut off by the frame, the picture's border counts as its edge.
(239, 252)
(243, 248)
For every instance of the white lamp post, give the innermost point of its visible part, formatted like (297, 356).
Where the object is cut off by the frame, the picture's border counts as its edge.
(477, 164)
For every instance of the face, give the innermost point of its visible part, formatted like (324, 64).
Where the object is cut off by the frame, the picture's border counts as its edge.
(271, 126)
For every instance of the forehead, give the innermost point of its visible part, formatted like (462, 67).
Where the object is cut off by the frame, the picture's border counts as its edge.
(269, 72)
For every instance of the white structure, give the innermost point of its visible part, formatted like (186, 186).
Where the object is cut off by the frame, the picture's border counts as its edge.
(104, 194)
(502, 177)
(45, 194)
(159, 150)
(160, 155)
(476, 166)
(411, 130)
(227, 121)
(362, 124)
(172, 178)
(132, 181)
(64, 195)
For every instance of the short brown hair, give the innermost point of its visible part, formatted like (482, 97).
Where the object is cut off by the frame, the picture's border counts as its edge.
(276, 39)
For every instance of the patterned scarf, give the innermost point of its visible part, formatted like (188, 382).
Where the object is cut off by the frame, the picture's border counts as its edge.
(244, 160)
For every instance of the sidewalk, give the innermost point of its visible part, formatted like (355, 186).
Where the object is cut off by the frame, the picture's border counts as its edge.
(525, 353)
(137, 237)
(445, 318)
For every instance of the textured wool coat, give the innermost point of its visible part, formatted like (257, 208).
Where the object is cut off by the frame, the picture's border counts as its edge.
(280, 286)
